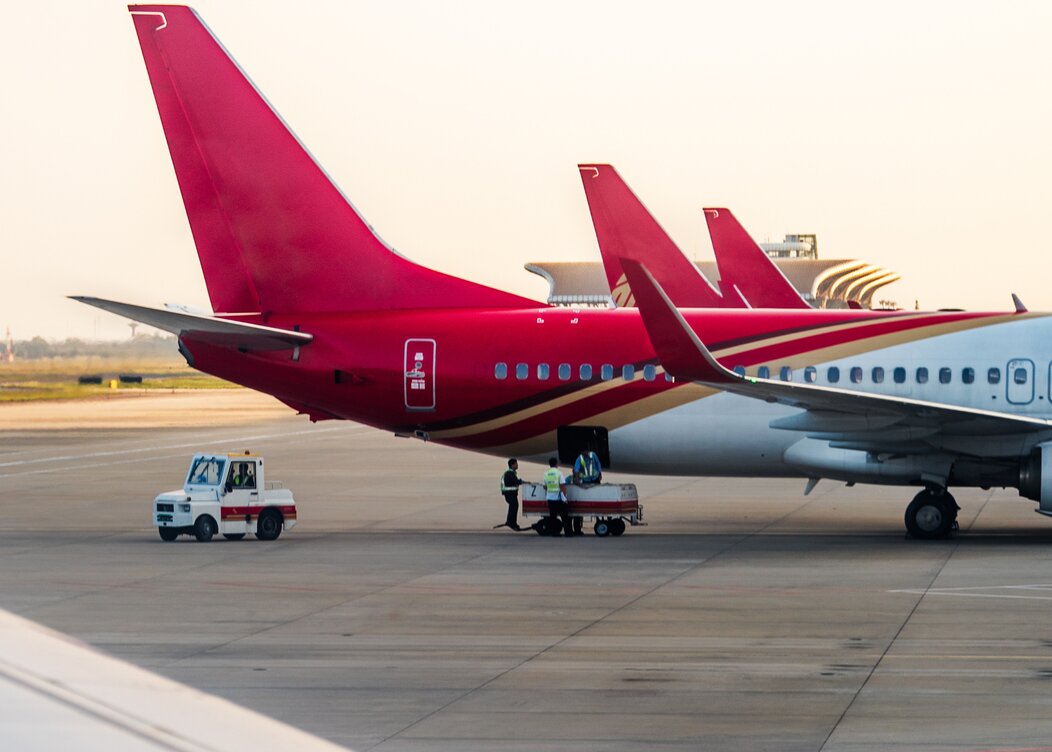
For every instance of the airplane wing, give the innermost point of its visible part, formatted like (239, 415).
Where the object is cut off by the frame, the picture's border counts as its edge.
(840, 415)
(59, 693)
(745, 269)
(209, 329)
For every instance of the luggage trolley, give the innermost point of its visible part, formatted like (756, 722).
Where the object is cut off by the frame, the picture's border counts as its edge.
(611, 505)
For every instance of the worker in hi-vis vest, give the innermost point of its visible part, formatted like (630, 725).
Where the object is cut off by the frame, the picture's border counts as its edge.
(587, 467)
(509, 486)
(555, 493)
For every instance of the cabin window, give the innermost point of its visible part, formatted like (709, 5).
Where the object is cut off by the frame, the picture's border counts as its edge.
(856, 375)
(899, 375)
(585, 372)
(763, 372)
(649, 372)
(628, 372)
(1019, 375)
(810, 374)
(740, 370)
(994, 376)
(878, 375)
(606, 372)
(500, 371)
(543, 371)
(564, 371)
(922, 375)
(785, 373)
(967, 375)
(522, 371)
(833, 374)
(945, 375)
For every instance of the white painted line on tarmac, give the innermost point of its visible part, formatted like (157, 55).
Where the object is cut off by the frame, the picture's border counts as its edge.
(970, 592)
(162, 447)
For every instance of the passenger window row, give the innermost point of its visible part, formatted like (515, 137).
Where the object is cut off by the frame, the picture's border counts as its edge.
(899, 374)
(564, 372)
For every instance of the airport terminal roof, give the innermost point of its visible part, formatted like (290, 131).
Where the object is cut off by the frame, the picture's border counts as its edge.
(830, 283)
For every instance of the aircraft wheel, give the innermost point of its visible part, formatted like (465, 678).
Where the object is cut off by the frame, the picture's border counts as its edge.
(233, 536)
(602, 528)
(205, 528)
(268, 526)
(931, 515)
(168, 534)
(578, 525)
(617, 527)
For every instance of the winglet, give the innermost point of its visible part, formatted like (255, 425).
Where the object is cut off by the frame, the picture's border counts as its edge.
(1020, 307)
(679, 349)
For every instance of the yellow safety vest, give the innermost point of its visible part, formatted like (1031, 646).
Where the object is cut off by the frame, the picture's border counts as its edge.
(503, 488)
(553, 479)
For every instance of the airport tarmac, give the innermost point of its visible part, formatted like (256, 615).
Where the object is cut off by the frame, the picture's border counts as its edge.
(744, 616)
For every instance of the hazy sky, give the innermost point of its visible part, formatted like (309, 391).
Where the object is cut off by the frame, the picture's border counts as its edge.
(913, 135)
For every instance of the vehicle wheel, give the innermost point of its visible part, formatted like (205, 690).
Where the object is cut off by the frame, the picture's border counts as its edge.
(168, 534)
(617, 527)
(578, 525)
(205, 528)
(540, 526)
(602, 528)
(555, 527)
(930, 515)
(268, 527)
(233, 536)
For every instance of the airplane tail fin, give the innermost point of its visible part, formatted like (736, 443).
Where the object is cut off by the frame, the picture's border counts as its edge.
(745, 268)
(624, 228)
(273, 233)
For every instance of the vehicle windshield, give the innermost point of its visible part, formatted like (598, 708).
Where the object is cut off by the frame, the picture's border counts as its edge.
(205, 471)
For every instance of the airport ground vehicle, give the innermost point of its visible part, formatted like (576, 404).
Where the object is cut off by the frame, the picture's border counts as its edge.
(228, 494)
(611, 505)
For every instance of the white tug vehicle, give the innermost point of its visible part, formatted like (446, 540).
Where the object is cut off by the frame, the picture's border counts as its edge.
(228, 494)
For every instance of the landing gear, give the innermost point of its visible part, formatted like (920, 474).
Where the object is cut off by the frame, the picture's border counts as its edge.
(931, 514)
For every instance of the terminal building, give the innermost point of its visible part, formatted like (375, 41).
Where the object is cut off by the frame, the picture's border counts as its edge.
(824, 283)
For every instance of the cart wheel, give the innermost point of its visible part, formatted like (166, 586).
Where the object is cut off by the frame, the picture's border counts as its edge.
(168, 534)
(540, 526)
(602, 528)
(205, 528)
(617, 527)
(578, 525)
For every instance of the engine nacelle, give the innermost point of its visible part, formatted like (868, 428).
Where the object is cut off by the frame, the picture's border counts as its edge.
(1035, 477)
(816, 458)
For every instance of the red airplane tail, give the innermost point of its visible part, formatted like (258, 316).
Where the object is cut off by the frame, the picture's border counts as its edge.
(625, 229)
(273, 233)
(745, 270)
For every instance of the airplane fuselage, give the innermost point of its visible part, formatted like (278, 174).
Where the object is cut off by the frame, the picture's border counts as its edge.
(503, 381)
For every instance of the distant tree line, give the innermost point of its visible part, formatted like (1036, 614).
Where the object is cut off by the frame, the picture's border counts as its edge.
(144, 345)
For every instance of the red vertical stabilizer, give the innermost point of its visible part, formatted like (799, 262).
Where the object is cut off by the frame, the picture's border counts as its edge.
(273, 233)
(745, 270)
(624, 228)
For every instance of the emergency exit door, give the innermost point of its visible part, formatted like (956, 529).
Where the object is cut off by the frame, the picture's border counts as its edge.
(420, 374)
(1019, 381)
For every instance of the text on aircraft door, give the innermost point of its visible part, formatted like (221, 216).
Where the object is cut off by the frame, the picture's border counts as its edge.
(420, 374)
(1019, 381)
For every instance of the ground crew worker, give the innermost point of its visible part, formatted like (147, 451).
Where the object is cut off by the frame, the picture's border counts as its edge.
(555, 493)
(509, 486)
(587, 467)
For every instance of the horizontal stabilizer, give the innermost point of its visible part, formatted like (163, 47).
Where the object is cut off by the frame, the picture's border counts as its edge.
(208, 329)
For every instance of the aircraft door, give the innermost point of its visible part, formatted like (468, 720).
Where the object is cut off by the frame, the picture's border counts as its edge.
(420, 374)
(1019, 381)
